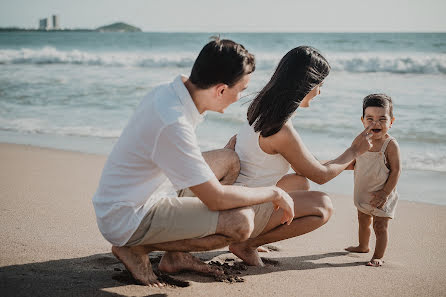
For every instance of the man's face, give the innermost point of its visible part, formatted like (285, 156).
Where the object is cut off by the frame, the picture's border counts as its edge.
(232, 94)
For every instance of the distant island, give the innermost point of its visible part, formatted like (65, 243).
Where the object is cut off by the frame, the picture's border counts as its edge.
(116, 27)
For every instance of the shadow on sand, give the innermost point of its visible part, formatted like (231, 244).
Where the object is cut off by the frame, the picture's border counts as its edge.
(89, 276)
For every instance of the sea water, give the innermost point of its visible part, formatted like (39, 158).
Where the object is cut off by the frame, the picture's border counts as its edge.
(77, 90)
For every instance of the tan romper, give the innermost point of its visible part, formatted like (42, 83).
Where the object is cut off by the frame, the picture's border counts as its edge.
(371, 175)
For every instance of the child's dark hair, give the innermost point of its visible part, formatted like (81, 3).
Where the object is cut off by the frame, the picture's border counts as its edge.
(298, 72)
(221, 61)
(378, 100)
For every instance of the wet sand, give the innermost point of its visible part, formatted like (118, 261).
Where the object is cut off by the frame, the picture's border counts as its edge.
(50, 244)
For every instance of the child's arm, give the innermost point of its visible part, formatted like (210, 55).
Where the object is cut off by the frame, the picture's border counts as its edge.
(393, 158)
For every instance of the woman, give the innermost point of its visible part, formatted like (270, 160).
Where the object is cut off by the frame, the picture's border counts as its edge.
(268, 145)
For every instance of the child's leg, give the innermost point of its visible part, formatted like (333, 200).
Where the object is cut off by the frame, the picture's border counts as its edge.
(293, 182)
(380, 225)
(364, 221)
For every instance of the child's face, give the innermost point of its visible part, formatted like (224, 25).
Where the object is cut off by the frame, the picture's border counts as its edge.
(379, 118)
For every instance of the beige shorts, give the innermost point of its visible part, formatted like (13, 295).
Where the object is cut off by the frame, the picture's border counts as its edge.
(176, 218)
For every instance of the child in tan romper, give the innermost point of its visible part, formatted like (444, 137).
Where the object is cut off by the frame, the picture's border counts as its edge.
(376, 174)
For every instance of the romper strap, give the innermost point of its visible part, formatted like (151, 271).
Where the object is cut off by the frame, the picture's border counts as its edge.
(384, 147)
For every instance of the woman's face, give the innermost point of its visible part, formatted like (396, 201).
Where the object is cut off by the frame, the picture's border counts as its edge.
(313, 93)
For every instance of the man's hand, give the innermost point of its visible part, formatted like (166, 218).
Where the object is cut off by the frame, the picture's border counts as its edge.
(362, 142)
(285, 202)
(231, 143)
(379, 198)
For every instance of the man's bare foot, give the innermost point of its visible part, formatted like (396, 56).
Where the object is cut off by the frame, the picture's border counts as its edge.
(138, 264)
(357, 249)
(375, 262)
(173, 262)
(248, 254)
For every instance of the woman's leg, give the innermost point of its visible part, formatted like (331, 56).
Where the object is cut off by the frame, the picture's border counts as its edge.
(293, 182)
(312, 210)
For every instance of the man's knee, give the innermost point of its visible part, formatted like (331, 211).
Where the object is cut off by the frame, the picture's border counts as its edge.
(240, 224)
(232, 166)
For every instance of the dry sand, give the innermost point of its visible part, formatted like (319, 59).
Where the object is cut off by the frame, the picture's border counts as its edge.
(50, 244)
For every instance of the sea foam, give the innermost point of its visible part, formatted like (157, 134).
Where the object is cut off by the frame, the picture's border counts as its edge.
(349, 62)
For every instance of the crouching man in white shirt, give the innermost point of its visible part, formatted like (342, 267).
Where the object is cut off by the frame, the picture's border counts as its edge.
(159, 143)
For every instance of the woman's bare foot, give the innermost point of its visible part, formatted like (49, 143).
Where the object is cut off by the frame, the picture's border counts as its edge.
(248, 254)
(357, 249)
(138, 264)
(173, 262)
(375, 262)
(262, 249)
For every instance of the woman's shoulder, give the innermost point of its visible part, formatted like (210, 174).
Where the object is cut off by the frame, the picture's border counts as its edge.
(286, 132)
(285, 137)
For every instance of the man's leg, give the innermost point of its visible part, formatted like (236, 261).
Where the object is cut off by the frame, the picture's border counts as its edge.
(233, 226)
(224, 163)
(312, 210)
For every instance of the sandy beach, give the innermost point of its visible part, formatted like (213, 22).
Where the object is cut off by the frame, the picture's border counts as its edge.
(51, 246)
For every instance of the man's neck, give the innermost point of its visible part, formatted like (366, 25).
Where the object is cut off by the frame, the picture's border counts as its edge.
(196, 94)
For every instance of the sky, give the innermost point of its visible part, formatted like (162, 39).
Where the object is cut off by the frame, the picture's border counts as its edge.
(234, 15)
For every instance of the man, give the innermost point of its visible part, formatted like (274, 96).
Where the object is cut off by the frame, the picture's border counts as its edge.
(159, 143)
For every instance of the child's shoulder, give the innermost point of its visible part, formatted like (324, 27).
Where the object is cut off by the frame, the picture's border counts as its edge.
(393, 144)
(393, 149)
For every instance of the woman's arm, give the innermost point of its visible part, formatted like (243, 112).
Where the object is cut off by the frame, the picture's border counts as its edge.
(394, 161)
(288, 143)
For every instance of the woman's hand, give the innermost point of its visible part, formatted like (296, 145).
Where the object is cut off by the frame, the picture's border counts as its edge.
(285, 202)
(231, 143)
(362, 142)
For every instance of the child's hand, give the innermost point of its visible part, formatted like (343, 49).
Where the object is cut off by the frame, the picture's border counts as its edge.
(379, 198)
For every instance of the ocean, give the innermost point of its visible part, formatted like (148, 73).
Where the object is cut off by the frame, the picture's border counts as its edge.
(77, 90)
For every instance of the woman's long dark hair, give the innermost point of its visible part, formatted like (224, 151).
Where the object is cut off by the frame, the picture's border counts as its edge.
(299, 71)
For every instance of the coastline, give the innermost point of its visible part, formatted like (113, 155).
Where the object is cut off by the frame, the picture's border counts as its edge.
(51, 245)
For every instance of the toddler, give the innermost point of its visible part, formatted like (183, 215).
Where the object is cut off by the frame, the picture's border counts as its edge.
(376, 174)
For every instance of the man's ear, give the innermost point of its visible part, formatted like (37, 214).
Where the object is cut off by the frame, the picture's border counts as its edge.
(220, 89)
(362, 119)
(391, 121)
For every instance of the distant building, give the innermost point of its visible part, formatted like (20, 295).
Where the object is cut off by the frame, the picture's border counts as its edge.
(44, 24)
(56, 24)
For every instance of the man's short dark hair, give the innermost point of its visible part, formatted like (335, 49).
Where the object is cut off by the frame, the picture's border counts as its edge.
(221, 61)
(378, 100)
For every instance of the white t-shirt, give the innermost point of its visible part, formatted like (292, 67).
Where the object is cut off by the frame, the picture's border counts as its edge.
(158, 143)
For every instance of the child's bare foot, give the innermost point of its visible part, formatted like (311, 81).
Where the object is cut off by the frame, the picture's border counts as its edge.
(357, 249)
(375, 262)
(173, 262)
(248, 254)
(138, 264)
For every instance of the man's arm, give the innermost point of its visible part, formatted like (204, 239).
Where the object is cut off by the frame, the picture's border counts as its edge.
(218, 197)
